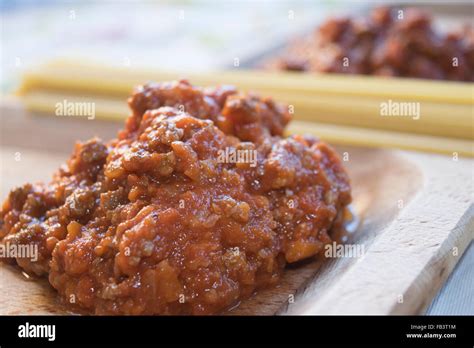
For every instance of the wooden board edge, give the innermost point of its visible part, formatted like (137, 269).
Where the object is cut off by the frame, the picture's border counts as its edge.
(397, 274)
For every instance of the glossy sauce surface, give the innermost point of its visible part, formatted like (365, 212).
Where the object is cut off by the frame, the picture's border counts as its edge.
(156, 222)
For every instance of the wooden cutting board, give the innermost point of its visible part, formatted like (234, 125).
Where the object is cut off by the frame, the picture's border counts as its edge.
(415, 211)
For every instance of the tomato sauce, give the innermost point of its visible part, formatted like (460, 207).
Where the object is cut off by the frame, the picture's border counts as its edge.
(157, 222)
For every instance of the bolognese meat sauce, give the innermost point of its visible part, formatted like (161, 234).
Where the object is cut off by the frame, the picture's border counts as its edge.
(389, 43)
(157, 221)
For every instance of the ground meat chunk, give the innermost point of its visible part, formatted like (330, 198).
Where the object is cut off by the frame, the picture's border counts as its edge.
(246, 116)
(160, 221)
(389, 43)
(251, 118)
(37, 215)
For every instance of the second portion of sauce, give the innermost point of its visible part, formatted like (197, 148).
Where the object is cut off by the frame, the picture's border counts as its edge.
(388, 42)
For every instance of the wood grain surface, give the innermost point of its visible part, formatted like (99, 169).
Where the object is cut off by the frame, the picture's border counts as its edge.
(415, 214)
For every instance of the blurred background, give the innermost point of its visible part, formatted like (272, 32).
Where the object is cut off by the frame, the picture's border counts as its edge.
(189, 35)
(181, 35)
